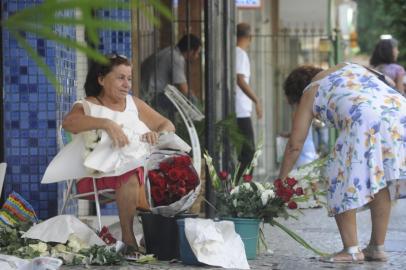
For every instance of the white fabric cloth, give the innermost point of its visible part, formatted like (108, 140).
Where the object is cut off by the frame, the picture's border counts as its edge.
(243, 104)
(216, 243)
(70, 163)
(59, 229)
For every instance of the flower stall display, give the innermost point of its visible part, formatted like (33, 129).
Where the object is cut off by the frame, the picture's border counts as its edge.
(249, 199)
(311, 178)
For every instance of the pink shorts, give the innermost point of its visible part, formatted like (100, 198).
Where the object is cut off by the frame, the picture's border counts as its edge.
(85, 185)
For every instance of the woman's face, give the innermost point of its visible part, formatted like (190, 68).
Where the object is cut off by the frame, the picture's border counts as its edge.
(395, 53)
(117, 83)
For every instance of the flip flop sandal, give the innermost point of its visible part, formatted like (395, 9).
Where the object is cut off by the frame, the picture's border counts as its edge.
(347, 255)
(375, 253)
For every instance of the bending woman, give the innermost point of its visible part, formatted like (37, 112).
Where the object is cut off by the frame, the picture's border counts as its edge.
(114, 110)
(367, 167)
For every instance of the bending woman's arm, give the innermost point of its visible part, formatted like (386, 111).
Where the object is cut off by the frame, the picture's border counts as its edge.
(301, 124)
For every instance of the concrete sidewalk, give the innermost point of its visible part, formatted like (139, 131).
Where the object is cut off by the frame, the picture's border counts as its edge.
(319, 229)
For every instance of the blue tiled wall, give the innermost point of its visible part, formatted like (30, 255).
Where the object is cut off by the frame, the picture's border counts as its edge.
(119, 42)
(33, 111)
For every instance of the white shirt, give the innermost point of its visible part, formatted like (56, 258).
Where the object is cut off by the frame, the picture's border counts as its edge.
(243, 104)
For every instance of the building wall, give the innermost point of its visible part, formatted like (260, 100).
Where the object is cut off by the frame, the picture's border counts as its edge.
(33, 111)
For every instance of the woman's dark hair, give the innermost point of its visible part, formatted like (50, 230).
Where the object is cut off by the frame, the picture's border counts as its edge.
(297, 81)
(96, 70)
(383, 52)
(189, 42)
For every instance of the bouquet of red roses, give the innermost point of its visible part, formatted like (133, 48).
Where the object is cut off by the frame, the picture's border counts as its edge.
(175, 178)
(172, 181)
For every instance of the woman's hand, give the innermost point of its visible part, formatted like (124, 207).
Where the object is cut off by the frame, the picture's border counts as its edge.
(150, 137)
(116, 133)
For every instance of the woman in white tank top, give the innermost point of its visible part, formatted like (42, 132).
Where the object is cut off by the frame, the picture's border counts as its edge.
(125, 122)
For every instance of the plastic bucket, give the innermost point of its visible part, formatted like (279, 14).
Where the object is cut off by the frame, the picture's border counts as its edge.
(186, 253)
(161, 235)
(248, 229)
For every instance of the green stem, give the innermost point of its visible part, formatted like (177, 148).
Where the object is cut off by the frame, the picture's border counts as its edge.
(298, 239)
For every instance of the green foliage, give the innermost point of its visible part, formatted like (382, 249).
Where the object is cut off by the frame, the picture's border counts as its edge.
(372, 22)
(396, 10)
(377, 17)
(41, 19)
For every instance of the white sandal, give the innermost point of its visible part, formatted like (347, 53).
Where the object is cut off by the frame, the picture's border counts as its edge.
(375, 253)
(355, 252)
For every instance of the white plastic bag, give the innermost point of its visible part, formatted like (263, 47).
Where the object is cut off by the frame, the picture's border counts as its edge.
(216, 243)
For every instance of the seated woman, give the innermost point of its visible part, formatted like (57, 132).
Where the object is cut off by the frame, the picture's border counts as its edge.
(109, 106)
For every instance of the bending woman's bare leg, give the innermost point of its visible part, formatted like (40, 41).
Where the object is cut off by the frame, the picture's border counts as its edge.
(347, 225)
(126, 198)
(380, 214)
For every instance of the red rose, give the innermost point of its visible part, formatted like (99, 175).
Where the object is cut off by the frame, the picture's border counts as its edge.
(182, 183)
(223, 175)
(158, 194)
(181, 191)
(299, 191)
(247, 178)
(153, 174)
(173, 189)
(291, 181)
(278, 183)
(288, 192)
(164, 166)
(279, 192)
(184, 174)
(174, 174)
(192, 177)
(182, 161)
(292, 205)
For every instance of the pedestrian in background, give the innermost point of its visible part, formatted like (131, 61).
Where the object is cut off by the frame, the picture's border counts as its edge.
(245, 96)
(168, 66)
(384, 59)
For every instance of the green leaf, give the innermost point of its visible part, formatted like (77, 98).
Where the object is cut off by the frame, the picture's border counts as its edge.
(298, 239)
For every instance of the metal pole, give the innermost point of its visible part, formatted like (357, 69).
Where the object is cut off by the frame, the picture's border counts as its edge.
(209, 94)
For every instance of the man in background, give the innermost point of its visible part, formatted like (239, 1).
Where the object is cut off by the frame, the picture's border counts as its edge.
(245, 97)
(168, 66)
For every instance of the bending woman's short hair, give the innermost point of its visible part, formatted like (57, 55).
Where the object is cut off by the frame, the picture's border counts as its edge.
(383, 52)
(297, 81)
(96, 70)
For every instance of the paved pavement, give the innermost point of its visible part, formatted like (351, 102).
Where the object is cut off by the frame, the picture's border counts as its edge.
(321, 231)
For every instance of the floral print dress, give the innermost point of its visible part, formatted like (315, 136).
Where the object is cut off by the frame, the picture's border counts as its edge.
(370, 151)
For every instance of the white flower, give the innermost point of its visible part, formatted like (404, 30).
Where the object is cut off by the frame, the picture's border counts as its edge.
(235, 190)
(59, 248)
(259, 186)
(75, 243)
(41, 247)
(266, 196)
(91, 137)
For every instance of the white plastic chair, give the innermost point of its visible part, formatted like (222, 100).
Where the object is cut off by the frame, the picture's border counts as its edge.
(100, 196)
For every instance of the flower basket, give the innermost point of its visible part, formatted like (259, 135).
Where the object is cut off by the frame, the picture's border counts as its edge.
(172, 182)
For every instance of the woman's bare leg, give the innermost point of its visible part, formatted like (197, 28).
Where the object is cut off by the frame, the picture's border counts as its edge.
(380, 214)
(126, 198)
(347, 225)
